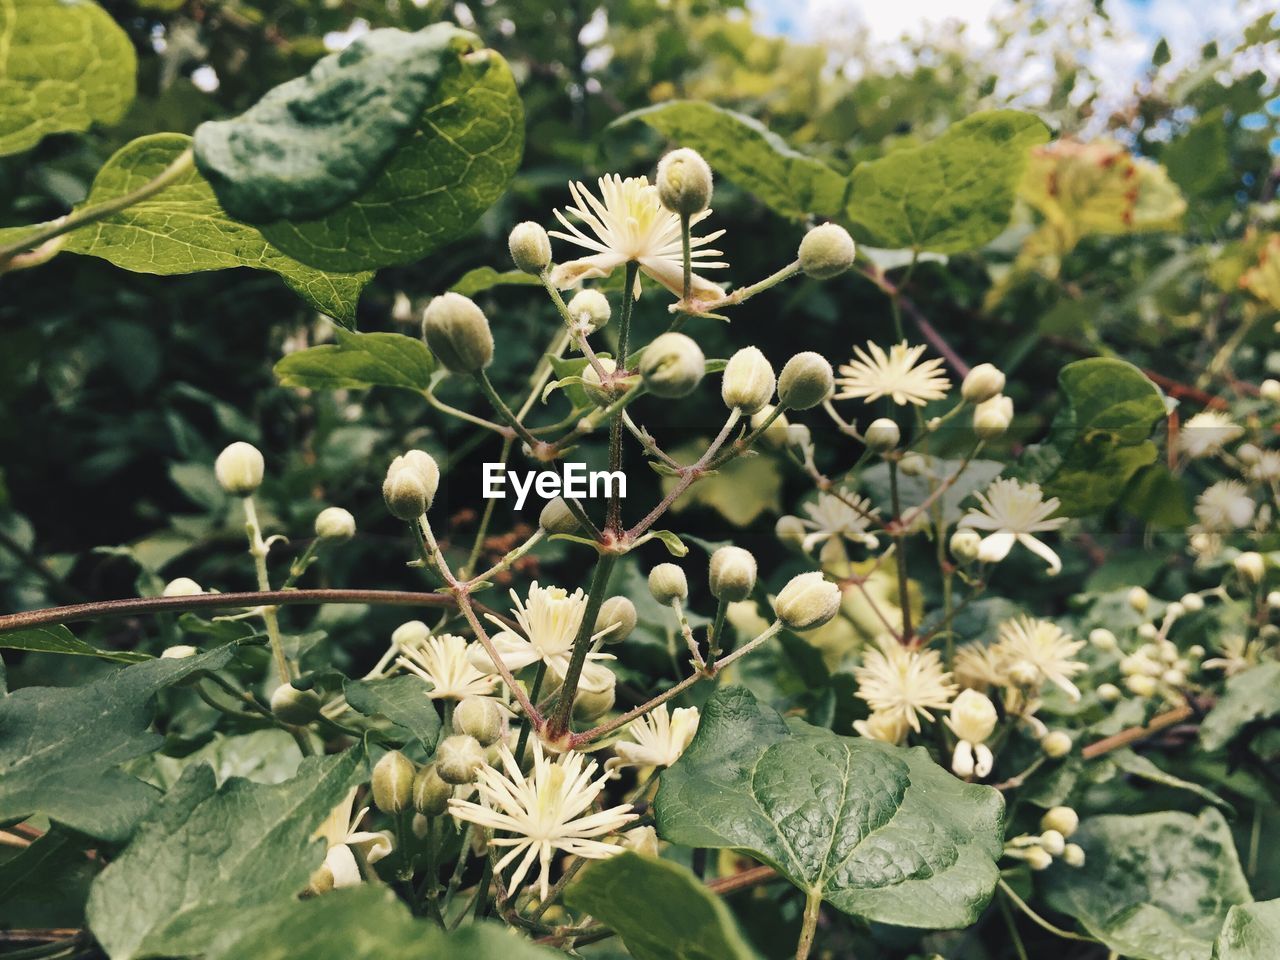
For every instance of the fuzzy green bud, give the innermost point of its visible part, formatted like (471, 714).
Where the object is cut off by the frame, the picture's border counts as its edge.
(1269, 389)
(430, 793)
(965, 544)
(293, 706)
(393, 777)
(335, 523)
(807, 601)
(684, 182)
(806, 381)
(991, 418)
(404, 494)
(589, 308)
(748, 382)
(479, 717)
(1103, 639)
(182, 587)
(179, 651)
(409, 633)
(530, 247)
(882, 435)
(775, 435)
(596, 692)
(600, 394)
(732, 574)
(1062, 819)
(1056, 744)
(826, 251)
(1250, 566)
(618, 616)
(982, 383)
(1073, 855)
(672, 366)
(556, 517)
(457, 331)
(1138, 599)
(459, 758)
(1108, 692)
(667, 582)
(239, 469)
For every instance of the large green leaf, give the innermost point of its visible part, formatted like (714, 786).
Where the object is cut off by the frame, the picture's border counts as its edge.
(1100, 437)
(360, 360)
(954, 193)
(402, 700)
(1249, 696)
(1136, 765)
(363, 923)
(206, 854)
(58, 639)
(742, 149)
(1251, 932)
(64, 65)
(1155, 886)
(60, 747)
(659, 909)
(878, 831)
(182, 229)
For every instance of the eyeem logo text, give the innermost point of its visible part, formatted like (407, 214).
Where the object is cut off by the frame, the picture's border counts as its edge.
(573, 480)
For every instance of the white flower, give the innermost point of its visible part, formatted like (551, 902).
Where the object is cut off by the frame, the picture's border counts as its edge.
(972, 719)
(631, 224)
(832, 517)
(339, 831)
(544, 811)
(442, 661)
(1224, 506)
(1207, 433)
(875, 374)
(976, 667)
(657, 740)
(885, 727)
(550, 619)
(902, 684)
(1014, 511)
(1042, 646)
(1267, 467)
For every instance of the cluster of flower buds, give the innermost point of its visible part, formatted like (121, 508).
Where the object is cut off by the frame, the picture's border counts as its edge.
(1040, 850)
(410, 485)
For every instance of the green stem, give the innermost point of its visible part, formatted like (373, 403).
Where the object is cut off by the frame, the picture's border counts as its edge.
(559, 724)
(485, 519)
(904, 588)
(505, 412)
(258, 550)
(809, 927)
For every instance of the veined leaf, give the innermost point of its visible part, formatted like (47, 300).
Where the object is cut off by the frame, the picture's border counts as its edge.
(402, 700)
(485, 278)
(360, 360)
(1251, 695)
(1251, 932)
(58, 639)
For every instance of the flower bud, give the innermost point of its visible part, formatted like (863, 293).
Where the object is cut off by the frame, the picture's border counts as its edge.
(182, 587)
(459, 758)
(808, 600)
(1173, 678)
(1038, 858)
(1073, 855)
(294, 706)
(1273, 599)
(556, 517)
(404, 494)
(732, 574)
(991, 418)
(965, 544)
(748, 381)
(643, 840)
(589, 308)
(600, 394)
(882, 435)
(1250, 566)
(1108, 692)
(393, 777)
(912, 465)
(1056, 744)
(806, 381)
(239, 469)
(672, 365)
(667, 582)
(410, 633)
(775, 435)
(826, 251)
(1141, 685)
(457, 331)
(530, 247)
(982, 383)
(684, 182)
(798, 437)
(1248, 454)
(1138, 599)
(972, 717)
(1270, 390)
(335, 523)
(1192, 602)
(596, 692)
(1102, 638)
(179, 651)
(791, 531)
(618, 616)
(1064, 820)
(479, 717)
(1053, 842)
(430, 793)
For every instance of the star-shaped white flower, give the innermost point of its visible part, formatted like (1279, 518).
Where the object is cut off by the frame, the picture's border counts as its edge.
(873, 374)
(1042, 646)
(657, 740)
(1014, 511)
(902, 685)
(340, 830)
(1224, 506)
(629, 223)
(846, 517)
(1207, 433)
(549, 620)
(546, 811)
(443, 662)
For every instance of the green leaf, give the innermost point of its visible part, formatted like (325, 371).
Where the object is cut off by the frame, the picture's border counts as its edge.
(58, 639)
(360, 360)
(742, 149)
(64, 65)
(485, 278)
(1251, 695)
(207, 854)
(366, 922)
(1251, 932)
(402, 700)
(675, 546)
(182, 229)
(1099, 439)
(60, 746)
(1155, 886)
(880, 832)
(47, 882)
(954, 193)
(1136, 765)
(659, 909)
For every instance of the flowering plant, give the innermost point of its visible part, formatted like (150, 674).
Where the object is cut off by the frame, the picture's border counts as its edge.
(593, 729)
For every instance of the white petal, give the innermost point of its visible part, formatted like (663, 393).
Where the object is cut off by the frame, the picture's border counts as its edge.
(996, 546)
(1041, 550)
(342, 864)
